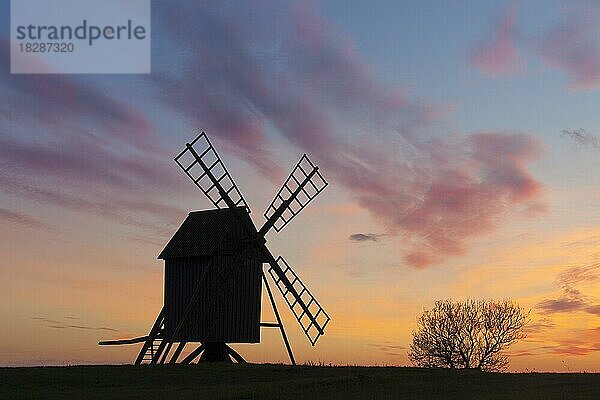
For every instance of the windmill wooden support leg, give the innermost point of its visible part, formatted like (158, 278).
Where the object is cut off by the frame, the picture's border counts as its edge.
(165, 353)
(215, 352)
(158, 352)
(236, 356)
(151, 337)
(178, 351)
(190, 357)
(279, 323)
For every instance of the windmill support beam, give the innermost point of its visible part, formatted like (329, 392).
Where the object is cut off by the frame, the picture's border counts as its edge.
(166, 353)
(269, 325)
(158, 353)
(151, 336)
(177, 352)
(279, 323)
(190, 357)
(236, 356)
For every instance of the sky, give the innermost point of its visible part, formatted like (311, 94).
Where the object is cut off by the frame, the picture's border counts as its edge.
(460, 141)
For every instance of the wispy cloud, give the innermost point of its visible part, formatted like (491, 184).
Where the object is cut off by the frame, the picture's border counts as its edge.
(84, 327)
(312, 87)
(142, 213)
(389, 348)
(56, 324)
(21, 219)
(498, 54)
(576, 342)
(67, 103)
(573, 45)
(365, 237)
(248, 80)
(582, 138)
(570, 44)
(580, 342)
(538, 326)
(572, 299)
(92, 152)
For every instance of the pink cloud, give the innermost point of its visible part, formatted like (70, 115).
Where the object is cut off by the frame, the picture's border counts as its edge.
(67, 103)
(462, 188)
(498, 55)
(573, 45)
(312, 87)
(572, 299)
(253, 77)
(20, 218)
(90, 151)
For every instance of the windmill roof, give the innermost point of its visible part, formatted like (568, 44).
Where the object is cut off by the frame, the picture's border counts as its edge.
(207, 232)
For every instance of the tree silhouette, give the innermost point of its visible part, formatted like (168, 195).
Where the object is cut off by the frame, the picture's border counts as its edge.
(467, 334)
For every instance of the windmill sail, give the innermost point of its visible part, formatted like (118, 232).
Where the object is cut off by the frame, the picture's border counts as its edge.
(300, 188)
(202, 164)
(310, 315)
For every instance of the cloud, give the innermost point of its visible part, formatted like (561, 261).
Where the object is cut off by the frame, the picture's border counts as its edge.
(538, 326)
(83, 327)
(21, 219)
(498, 55)
(582, 138)
(79, 161)
(55, 324)
(92, 152)
(578, 342)
(573, 45)
(246, 79)
(568, 348)
(463, 191)
(45, 320)
(572, 299)
(388, 348)
(581, 342)
(364, 237)
(564, 304)
(255, 84)
(521, 353)
(66, 102)
(155, 218)
(595, 309)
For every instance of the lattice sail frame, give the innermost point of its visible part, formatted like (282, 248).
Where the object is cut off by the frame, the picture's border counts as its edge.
(315, 185)
(205, 150)
(313, 328)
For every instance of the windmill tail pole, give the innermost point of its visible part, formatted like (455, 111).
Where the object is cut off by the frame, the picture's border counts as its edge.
(123, 341)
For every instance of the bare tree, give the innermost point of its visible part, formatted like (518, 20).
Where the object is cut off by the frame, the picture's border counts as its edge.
(467, 334)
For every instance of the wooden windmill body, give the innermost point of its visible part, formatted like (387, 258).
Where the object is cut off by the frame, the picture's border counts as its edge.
(214, 268)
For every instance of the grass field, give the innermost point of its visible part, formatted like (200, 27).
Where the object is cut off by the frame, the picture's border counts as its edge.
(285, 382)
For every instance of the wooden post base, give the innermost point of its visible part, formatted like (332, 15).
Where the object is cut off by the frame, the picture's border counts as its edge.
(215, 352)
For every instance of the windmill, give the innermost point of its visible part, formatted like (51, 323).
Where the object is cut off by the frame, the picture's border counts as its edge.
(214, 268)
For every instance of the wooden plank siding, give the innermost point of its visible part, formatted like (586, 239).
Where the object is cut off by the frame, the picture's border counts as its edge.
(235, 315)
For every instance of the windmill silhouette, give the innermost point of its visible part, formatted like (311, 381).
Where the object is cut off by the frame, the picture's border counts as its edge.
(214, 268)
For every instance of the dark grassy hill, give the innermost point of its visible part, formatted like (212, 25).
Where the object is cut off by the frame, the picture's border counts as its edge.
(285, 382)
